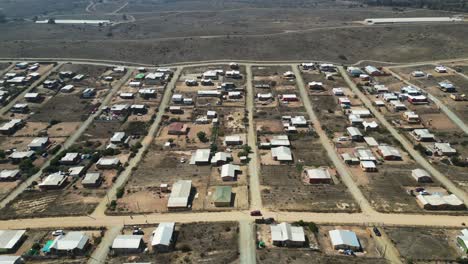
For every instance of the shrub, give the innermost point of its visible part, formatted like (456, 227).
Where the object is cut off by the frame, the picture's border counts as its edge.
(120, 192)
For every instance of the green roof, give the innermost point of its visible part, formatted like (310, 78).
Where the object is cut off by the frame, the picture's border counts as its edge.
(140, 76)
(222, 194)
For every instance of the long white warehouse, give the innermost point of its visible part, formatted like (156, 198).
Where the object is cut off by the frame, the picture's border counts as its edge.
(373, 21)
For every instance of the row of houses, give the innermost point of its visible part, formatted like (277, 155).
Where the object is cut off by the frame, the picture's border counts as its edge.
(162, 240)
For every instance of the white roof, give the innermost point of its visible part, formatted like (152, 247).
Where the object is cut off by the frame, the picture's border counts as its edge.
(280, 140)
(55, 179)
(367, 164)
(180, 194)
(163, 234)
(361, 112)
(91, 178)
(70, 156)
(371, 124)
(9, 238)
(108, 161)
(418, 173)
(119, 107)
(344, 237)
(31, 95)
(353, 131)
(200, 155)
(71, 240)
(320, 173)
(233, 138)
(118, 137)
(437, 200)
(6, 174)
(229, 170)
(221, 156)
(289, 96)
(444, 147)
(365, 154)
(285, 232)
(38, 142)
(75, 171)
(21, 154)
(298, 120)
(371, 141)
(282, 153)
(411, 19)
(423, 133)
(127, 242)
(389, 151)
(5, 259)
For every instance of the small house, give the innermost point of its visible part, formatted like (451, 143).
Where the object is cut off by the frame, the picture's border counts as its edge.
(180, 194)
(92, 180)
(11, 126)
(177, 128)
(108, 163)
(344, 239)
(318, 176)
(128, 244)
(71, 158)
(389, 153)
(368, 166)
(286, 235)
(20, 108)
(9, 175)
(421, 176)
(222, 196)
(229, 172)
(200, 157)
(234, 140)
(354, 133)
(423, 135)
(39, 143)
(282, 154)
(53, 181)
(11, 240)
(163, 237)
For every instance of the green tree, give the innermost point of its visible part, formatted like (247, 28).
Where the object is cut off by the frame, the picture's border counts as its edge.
(202, 136)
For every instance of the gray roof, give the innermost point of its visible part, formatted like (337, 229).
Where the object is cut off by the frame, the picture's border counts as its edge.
(285, 232)
(91, 178)
(180, 194)
(9, 259)
(163, 234)
(282, 153)
(70, 241)
(127, 242)
(344, 237)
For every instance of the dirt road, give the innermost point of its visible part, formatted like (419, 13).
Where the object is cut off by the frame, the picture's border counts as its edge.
(254, 164)
(100, 253)
(404, 142)
(332, 154)
(146, 142)
(247, 240)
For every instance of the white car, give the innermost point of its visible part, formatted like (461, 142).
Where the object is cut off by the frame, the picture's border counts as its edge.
(58, 233)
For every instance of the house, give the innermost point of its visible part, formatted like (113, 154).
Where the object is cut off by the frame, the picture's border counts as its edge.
(440, 202)
(462, 240)
(298, 121)
(371, 142)
(92, 180)
(67, 88)
(6, 259)
(66, 74)
(9, 175)
(289, 75)
(354, 71)
(344, 239)
(390, 97)
(147, 93)
(180, 194)
(355, 120)
(50, 84)
(447, 87)
(135, 84)
(176, 110)
(417, 99)
(18, 156)
(139, 109)
(119, 109)
(327, 67)
(188, 101)
(108, 163)
(289, 98)
(177, 128)
(421, 176)
(234, 95)
(163, 235)
(155, 78)
(18, 80)
(53, 181)
(127, 95)
(88, 93)
(206, 82)
(440, 69)
(119, 138)
(380, 88)
(38, 143)
(208, 93)
(229, 172)
(444, 149)
(349, 159)
(119, 69)
(398, 106)
(280, 140)
(354, 133)
(211, 114)
(319, 176)
(177, 98)
(233, 74)
(11, 240)
(11, 126)
(372, 71)
(222, 196)
(220, 158)
(19, 108)
(364, 154)
(389, 152)
(418, 74)
(315, 85)
(368, 166)
(370, 126)
(21, 65)
(411, 117)
(191, 82)
(200, 157)
(76, 171)
(344, 101)
(74, 242)
(423, 135)
(234, 140)
(282, 154)
(211, 74)
(128, 244)
(308, 65)
(71, 158)
(78, 78)
(286, 235)
(364, 113)
(32, 97)
(338, 91)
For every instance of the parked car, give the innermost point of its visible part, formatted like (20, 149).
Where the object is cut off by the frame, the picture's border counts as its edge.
(255, 213)
(58, 233)
(376, 231)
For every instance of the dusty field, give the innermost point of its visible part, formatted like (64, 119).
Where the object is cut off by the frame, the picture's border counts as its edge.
(64, 108)
(281, 255)
(425, 244)
(195, 243)
(329, 113)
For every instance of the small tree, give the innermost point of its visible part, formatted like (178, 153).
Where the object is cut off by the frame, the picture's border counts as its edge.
(202, 136)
